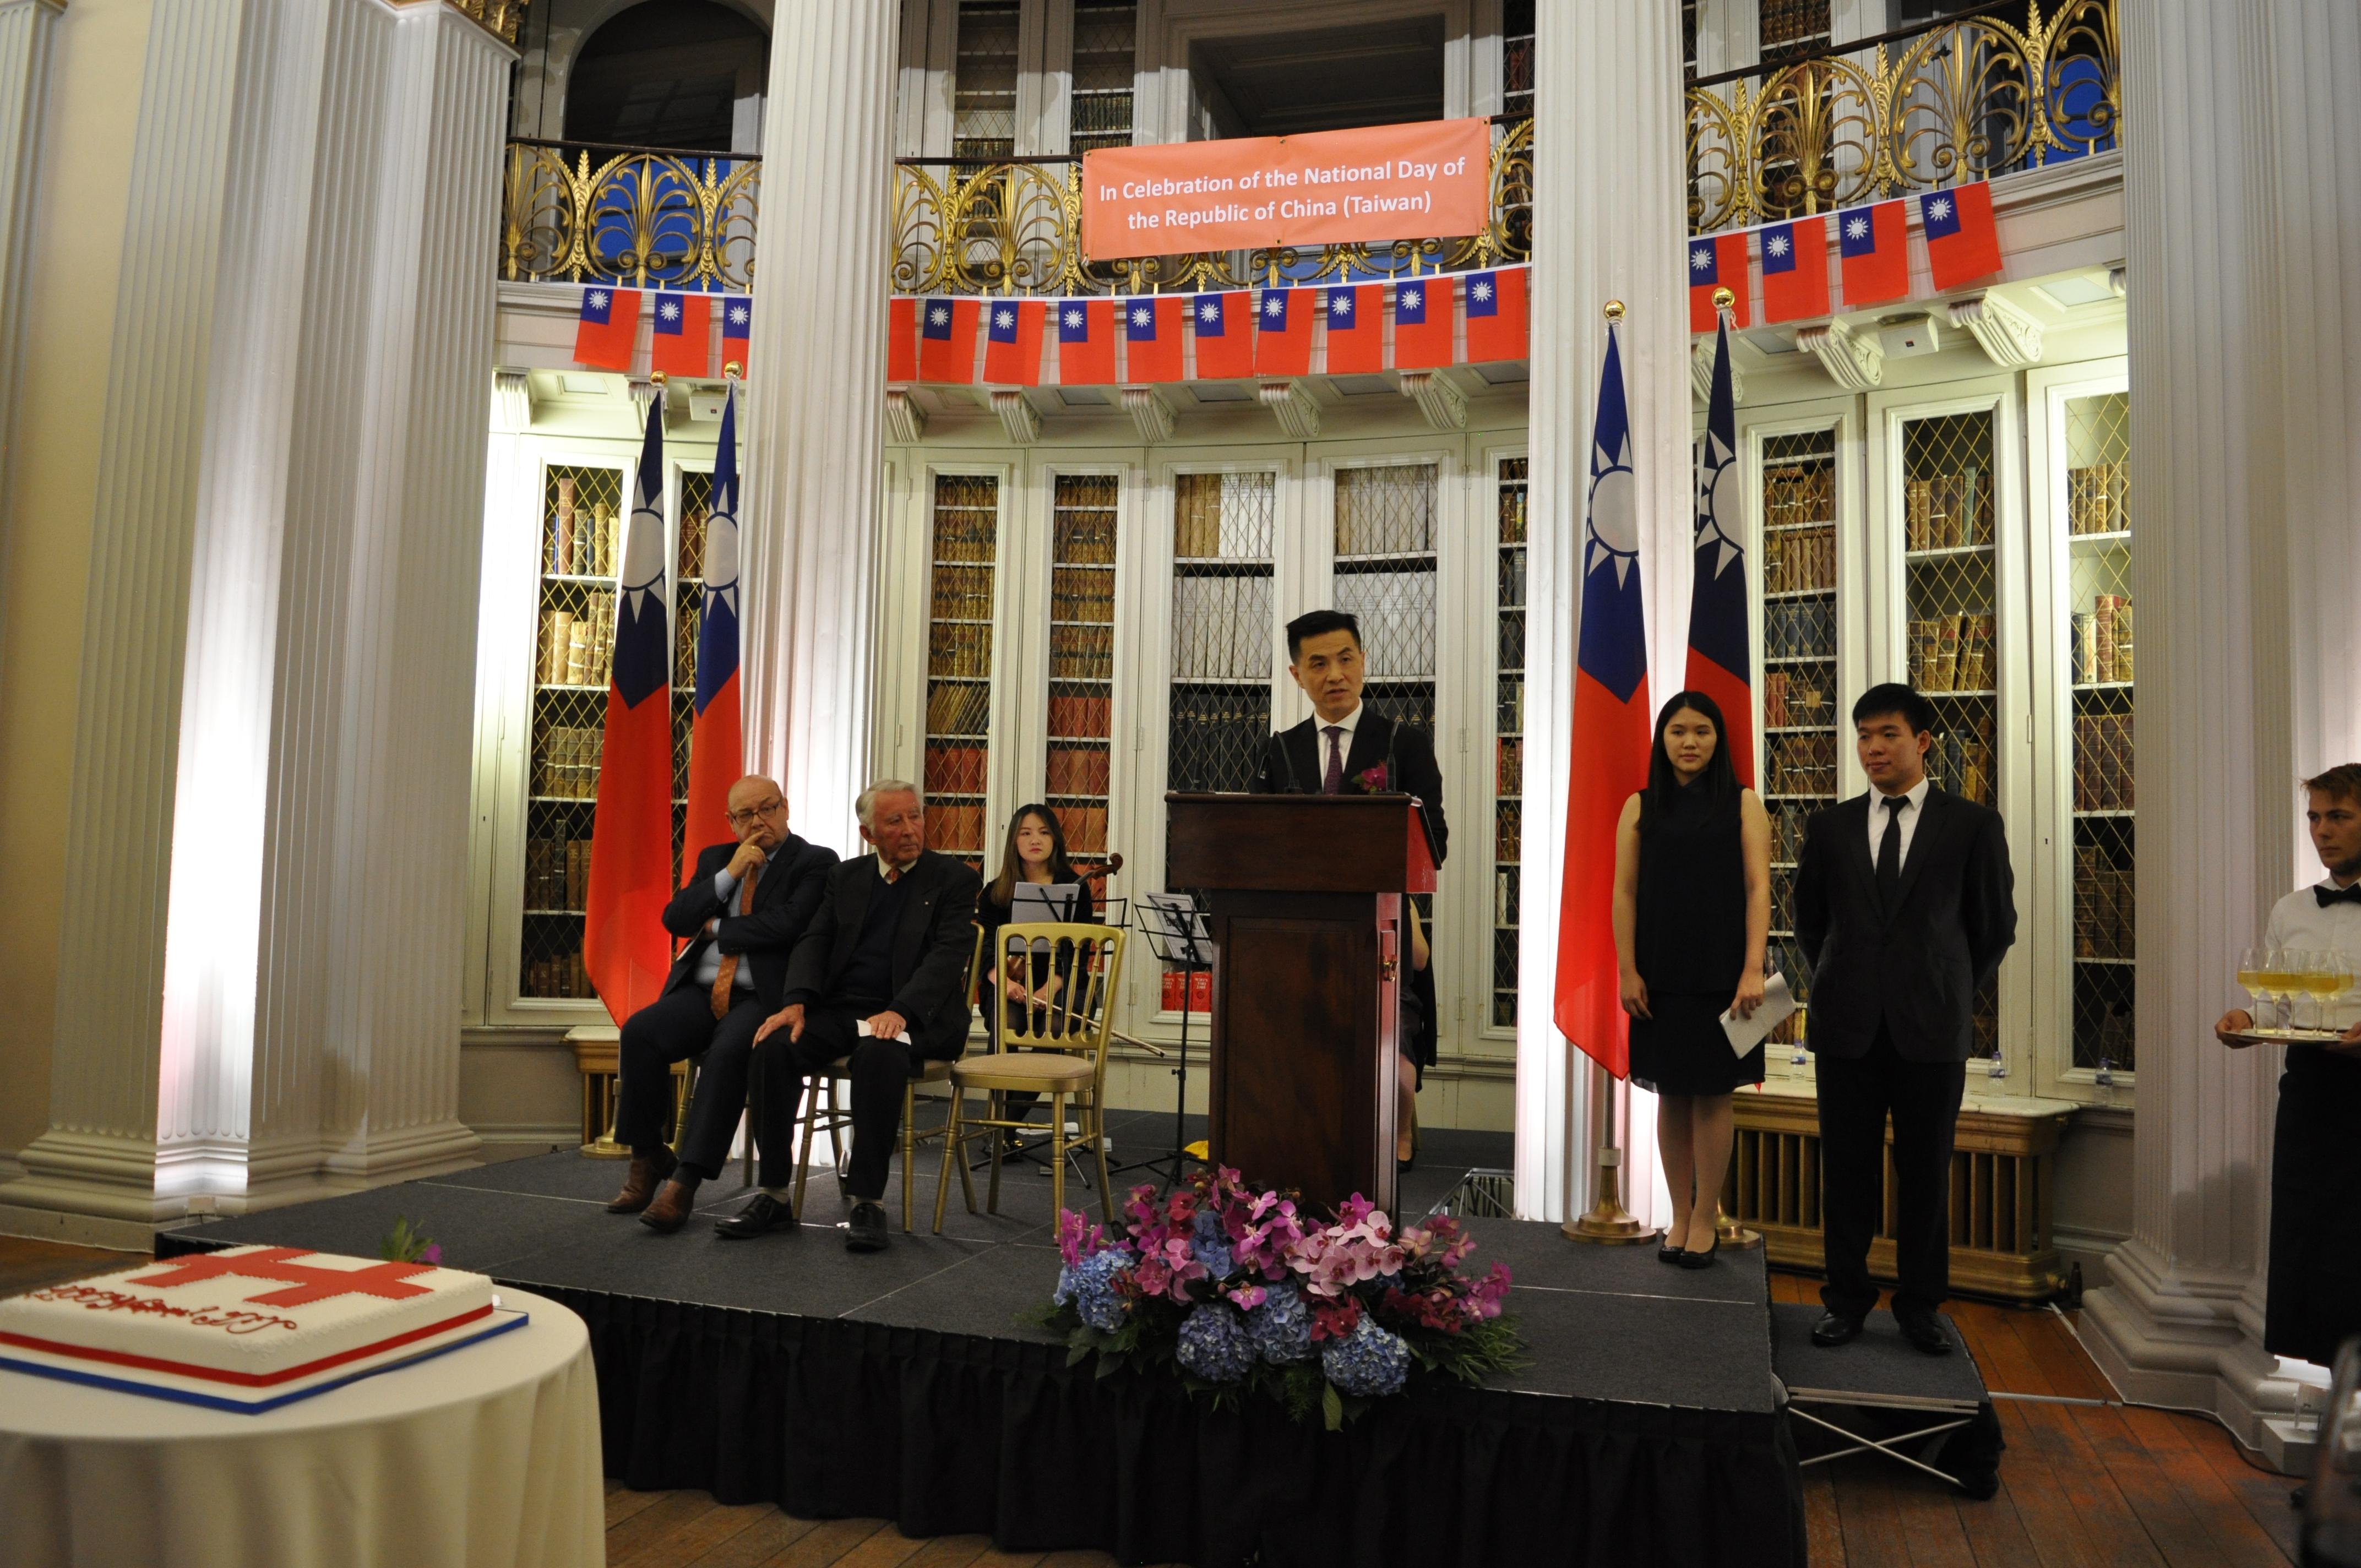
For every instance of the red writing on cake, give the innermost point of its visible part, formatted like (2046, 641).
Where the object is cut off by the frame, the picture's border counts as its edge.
(95, 1299)
(306, 1282)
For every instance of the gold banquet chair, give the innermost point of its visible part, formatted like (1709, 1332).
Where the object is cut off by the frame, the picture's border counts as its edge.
(1053, 1045)
(824, 1112)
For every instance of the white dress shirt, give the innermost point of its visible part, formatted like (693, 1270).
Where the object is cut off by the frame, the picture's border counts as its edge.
(708, 963)
(2300, 920)
(1320, 728)
(1909, 814)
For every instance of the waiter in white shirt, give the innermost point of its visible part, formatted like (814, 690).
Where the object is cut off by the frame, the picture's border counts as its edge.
(2314, 1301)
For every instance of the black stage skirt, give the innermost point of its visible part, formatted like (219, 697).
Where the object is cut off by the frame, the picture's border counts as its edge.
(1681, 1049)
(2315, 1280)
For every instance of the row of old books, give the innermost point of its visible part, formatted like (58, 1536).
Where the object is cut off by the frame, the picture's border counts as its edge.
(959, 708)
(1220, 628)
(1205, 529)
(1964, 764)
(1193, 988)
(1377, 513)
(1512, 579)
(562, 976)
(1512, 640)
(1787, 831)
(1802, 764)
(963, 593)
(1799, 628)
(1796, 699)
(964, 535)
(1081, 653)
(557, 874)
(2102, 640)
(2097, 498)
(1218, 736)
(2104, 914)
(1076, 769)
(1511, 711)
(1802, 562)
(1084, 717)
(1086, 828)
(1504, 895)
(1509, 769)
(954, 829)
(1800, 495)
(1947, 511)
(578, 649)
(1082, 596)
(958, 649)
(1953, 654)
(2103, 762)
(955, 770)
(567, 764)
(1083, 537)
(1512, 515)
(1508, 832)
(580, 542)
(1396, 610)
(683, 647)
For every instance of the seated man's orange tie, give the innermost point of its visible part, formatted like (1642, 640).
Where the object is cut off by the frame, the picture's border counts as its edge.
(727, 975)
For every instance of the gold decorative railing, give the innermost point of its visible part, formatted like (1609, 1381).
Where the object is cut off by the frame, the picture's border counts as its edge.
(1016, 228)
(1963, 99)
(635, 217)
(500, 18)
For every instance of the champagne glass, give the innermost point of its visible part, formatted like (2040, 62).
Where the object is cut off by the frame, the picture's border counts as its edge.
(2278, 980)
(2323, 979)
(2250, 978)
(2340, 985)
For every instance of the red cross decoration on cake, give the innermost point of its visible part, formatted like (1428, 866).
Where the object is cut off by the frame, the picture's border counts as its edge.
(308, 1282)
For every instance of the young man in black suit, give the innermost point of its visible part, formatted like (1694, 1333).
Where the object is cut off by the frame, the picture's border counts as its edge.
(1344, 749)
(740, 912)
(1905, 903)
(880, 977)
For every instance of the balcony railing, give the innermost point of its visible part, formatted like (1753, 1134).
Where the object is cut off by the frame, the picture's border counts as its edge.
(630, 215)
(1964, 99)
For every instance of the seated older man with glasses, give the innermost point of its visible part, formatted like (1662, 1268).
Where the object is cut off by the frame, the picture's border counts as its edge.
(740, 913)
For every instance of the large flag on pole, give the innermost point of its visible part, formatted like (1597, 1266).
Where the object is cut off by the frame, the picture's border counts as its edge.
(716, 751)
(624, 941)
(1612, 733)
(1721, 664)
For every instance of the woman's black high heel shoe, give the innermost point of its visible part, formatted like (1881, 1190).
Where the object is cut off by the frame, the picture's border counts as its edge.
(1702, 1259)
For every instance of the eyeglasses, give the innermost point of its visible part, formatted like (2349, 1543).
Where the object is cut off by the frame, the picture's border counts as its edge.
(740, 818)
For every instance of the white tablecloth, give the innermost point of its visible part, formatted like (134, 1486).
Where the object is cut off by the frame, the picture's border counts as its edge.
(483, 1458)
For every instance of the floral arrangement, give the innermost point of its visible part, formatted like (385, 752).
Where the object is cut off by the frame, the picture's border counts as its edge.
(1372, 781)
(407, 1244)
(1241, 1293)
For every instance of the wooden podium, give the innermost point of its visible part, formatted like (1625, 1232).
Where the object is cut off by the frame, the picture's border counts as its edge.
(1305, 909)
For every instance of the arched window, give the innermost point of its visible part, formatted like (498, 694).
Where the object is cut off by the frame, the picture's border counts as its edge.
(674, 73)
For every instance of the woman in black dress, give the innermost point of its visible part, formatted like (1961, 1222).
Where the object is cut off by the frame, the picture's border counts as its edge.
(1692, 912)
(1035, 851)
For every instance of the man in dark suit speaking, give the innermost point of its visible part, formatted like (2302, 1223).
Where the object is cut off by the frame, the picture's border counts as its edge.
(740, 912)
(1344, 749)
(1904, 904)
(881, 978)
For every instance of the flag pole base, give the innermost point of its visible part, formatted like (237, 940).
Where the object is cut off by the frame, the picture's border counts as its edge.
(1608, 1223)
(1732, 1234)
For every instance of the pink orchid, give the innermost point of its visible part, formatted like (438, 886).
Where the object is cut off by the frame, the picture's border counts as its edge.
(1246, 1298)
(1075, 1242)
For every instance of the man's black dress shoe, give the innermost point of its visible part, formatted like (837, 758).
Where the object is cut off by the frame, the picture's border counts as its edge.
(757, 1218)
(1925, 1331)
(1835, 1329)
(867, 1231)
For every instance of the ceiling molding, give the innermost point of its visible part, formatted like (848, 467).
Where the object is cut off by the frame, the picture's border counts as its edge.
(1445, 405)
(1854, 360)
(1701, 374)
(1150, 411)
(905, 421)
(1297, 414)
(1020, 418)
(2010, 338)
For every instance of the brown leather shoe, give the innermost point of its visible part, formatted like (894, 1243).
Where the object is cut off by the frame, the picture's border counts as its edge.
(640, 1182)
(670, 1211)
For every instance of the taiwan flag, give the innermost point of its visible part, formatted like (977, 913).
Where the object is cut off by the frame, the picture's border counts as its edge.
(1871, 245)
(1721, 663)
(1716, 261)
(1283, 331)
(901, 340)
(1151, 338)
(1222, 326)
(717, 749)
(682, 341)
(624, 945)
(737, 331)
(1356, 330)
(1422, 323)
(1612, 735)
(607, 328)
(946, 341)
(1085, 343)
(1796, 271)
(1962, 242)
(1496, 315)
(1012, 349)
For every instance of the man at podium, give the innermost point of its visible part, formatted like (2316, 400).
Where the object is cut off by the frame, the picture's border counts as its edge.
(1344, 749)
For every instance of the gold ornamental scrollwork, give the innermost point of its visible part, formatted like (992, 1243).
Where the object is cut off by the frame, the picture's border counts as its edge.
(639, 218)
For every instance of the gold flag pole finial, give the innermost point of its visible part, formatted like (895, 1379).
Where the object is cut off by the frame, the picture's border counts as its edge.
(732, 369)
(657, 378)
(1614, 311)
(1723, 299)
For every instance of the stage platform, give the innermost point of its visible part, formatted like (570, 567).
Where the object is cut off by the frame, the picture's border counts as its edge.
(905, 1386)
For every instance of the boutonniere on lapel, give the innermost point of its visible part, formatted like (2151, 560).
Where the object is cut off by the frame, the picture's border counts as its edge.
(1372, 781)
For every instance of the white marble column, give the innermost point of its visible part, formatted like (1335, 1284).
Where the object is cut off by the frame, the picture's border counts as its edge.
(1610, 212)
(2242, 332)
(25, 29)
(814, 450)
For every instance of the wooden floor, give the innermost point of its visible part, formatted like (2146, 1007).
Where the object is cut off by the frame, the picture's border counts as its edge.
(2079, 1485)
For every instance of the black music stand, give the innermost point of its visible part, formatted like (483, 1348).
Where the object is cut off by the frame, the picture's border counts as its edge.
(1175, 928)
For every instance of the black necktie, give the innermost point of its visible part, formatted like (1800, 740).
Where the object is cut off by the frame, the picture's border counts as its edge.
(1889, 851)
(2328, 896)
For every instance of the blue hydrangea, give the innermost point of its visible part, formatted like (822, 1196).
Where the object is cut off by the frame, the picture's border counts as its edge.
(1214, 1345)
(1281, 1327)
(1371, 1362)
(1210, 1245)
(1089, 1288)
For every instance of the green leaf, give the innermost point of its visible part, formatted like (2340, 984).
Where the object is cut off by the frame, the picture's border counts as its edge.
(1332, 1407)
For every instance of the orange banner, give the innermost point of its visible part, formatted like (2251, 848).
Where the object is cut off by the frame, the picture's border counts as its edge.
(1428, 180)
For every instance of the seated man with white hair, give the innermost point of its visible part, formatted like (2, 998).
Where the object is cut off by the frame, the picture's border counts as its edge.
(880, 976)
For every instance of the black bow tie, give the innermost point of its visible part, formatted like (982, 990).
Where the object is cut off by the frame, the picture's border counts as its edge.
(2328, 896)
